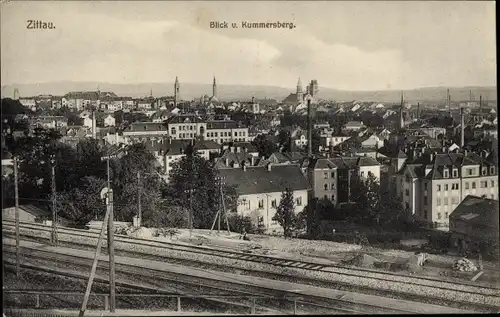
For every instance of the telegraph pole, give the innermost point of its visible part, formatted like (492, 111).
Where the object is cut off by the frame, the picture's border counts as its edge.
(111, 248)
(139, 194)
(16, 193)
(54, 212)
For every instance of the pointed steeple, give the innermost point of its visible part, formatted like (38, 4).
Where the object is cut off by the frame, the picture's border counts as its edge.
(401, 109)
(214, 89)
(299, 86)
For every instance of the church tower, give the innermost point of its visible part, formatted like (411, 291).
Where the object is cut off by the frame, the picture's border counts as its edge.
(214, 89)
(176, 92)
(300, 92)
(401, 113)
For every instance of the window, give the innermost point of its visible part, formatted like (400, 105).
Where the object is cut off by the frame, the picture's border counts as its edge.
(216, 134)
(325, 186)
(274, 222)
(469, 171)
(173, 131)
(492, 170)
(473, 185)
(446, 173)
(466, 185)
(273, 203)
(260, 221)
(438, 188)
(425, 200)
(333, 174)
(261, 203)
(492, 183)
(325, 175)
(425, 186)
(439, 216)
(438, 201)
(445, 187)
(455, 172)
(325, 197)
(333, 186)
(333, 197)
(486, 184)
(484, 171)
(298, 201)
(407, 192)
(407, 205)
(425, 213)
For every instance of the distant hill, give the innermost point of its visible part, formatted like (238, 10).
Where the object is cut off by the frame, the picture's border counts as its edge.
(239, 92)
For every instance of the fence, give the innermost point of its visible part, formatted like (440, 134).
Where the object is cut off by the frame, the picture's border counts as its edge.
(236, 299)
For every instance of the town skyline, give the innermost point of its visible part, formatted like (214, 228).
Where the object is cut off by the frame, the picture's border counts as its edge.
(328, 44)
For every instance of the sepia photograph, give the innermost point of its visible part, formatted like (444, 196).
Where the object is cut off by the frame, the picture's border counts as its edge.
(197, 158)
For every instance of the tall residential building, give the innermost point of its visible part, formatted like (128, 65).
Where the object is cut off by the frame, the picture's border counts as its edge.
(433, 184)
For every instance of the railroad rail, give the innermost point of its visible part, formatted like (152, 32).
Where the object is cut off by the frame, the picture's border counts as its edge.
(37, 258)
(239, 255)
(423, 282)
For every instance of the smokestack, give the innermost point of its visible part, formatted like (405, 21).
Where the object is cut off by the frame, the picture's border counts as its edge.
(480, 102)
(94, 132)
(418, 111)
(309, 128)
(449, 101)
(462, 128)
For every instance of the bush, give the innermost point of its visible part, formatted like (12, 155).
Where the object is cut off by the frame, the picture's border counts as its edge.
(239, 223)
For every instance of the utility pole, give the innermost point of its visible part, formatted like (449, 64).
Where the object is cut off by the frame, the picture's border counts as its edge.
(139, 194)
(16, 193)
(54, 212)
(111, 248)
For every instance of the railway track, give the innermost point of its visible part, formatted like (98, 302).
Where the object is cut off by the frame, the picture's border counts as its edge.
(60, 264)
(309, 266)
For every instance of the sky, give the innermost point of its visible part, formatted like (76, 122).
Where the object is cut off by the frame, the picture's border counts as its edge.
(344, 45)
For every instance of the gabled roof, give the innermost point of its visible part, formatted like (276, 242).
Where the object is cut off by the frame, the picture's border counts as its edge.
(185, 118)
(222, 124)
(259, 180)
(145, 126)
(478, 211)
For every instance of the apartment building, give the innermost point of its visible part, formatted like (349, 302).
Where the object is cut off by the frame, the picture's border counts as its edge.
(331, 178)
(259, 191)
(188, 126)
(433, 184)
(222, 131)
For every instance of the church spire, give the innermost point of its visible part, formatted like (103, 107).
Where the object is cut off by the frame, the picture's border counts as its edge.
(214, 88)
(176, 91)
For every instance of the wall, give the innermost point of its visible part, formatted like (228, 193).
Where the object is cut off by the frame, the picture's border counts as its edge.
(249, 206)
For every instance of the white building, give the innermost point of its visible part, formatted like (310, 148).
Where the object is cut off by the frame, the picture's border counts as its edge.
(260, 188)
(109, 121)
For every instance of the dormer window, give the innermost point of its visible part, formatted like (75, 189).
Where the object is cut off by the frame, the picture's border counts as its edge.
(484, 171)
(446, 173)
(455, 172)
(492, 170)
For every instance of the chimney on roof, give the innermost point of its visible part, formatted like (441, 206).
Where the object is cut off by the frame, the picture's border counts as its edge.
(253, 160)
(269, 167)
(238, 149)
(227, 162)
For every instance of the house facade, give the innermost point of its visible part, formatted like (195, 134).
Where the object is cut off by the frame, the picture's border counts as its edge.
(260, 188)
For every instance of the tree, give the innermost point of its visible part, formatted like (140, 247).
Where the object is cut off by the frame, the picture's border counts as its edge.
(285, 215)
(193, 184)
(265, 146)
(284, 141)
(83, 203)
(365, 193)
(127, 185)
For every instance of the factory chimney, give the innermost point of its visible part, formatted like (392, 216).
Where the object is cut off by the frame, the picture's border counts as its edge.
(462, 128)
(449, 101)
(480, 103)
(93, 124)
(418, 111)
(309, 128)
